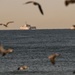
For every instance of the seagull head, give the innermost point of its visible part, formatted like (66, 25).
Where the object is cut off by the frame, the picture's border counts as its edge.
(57, 54)
(10, 50)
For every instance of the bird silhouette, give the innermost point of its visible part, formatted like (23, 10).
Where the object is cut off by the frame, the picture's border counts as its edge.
(35, 3)
(52, 58)
(6, 25)
(67, 2)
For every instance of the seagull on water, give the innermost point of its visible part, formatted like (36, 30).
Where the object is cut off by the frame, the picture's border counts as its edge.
(35, 3)
(52, 58)
(6, 25)
(23, 67)
(67, 2)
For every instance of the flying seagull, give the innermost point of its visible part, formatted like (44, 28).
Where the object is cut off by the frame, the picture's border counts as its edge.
(52, 58)
(7, 51)
(67, 2)
(6, 25)
(3, 51)
(35, 3)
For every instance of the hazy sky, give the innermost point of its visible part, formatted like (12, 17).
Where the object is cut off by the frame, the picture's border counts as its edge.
(56, 14)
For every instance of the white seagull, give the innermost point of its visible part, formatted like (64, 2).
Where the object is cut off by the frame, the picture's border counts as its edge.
(23, 67)
(35, 3)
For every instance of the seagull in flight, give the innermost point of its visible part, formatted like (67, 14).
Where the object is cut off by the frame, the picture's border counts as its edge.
(3, 51)
(7, 51)
(6, 25)
(67, 2)
(52, 57)
(35, 3)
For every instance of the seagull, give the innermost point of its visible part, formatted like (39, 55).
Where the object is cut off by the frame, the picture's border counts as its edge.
(23, 67)
(3, 51)
(52, 58)
(35, 3)
(7, 51)
(67, 2)
(6, 25)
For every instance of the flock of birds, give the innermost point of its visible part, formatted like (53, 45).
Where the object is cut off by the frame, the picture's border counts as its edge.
(4, 52)
(52, 57)
(67, 2)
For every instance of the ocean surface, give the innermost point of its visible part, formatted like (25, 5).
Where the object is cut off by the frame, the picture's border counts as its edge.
(32, 48)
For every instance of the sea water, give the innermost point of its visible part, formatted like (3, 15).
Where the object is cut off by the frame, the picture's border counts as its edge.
(32, 48)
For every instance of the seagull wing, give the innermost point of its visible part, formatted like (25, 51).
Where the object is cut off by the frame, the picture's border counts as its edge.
(52, 61)
(39, 6)
(29, 2)
(5, 25)
(9, 22)
(66, 3)
(3, 54)
(73, 0)
(1, 48)
(1, 24)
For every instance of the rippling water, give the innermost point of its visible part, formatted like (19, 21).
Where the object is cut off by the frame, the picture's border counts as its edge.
(33, 47)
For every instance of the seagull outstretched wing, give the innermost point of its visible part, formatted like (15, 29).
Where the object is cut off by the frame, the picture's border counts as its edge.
(40, 9)
(29, 2)
(6, 23)
(9, 22)
(35, 3)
